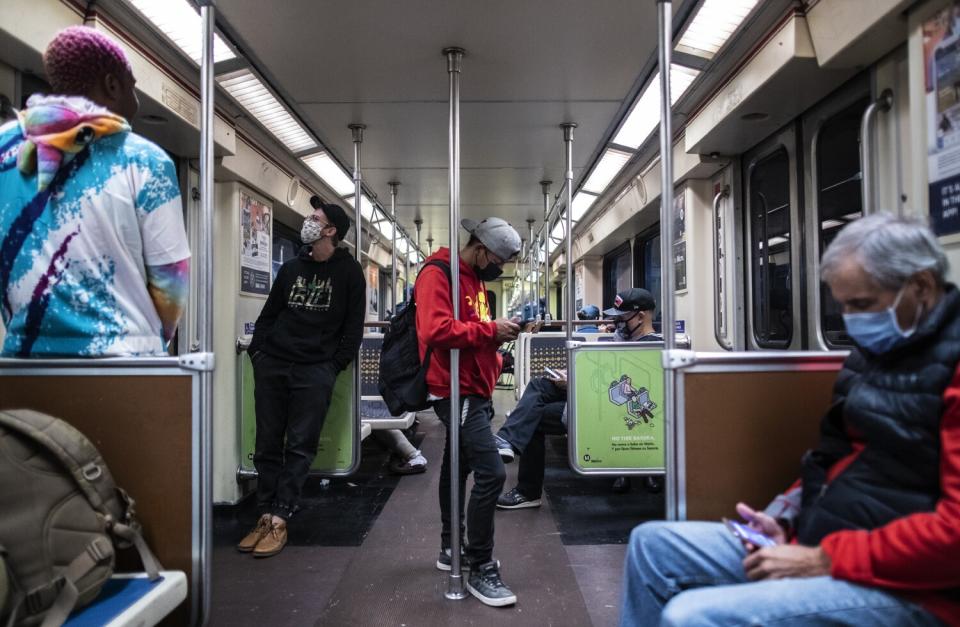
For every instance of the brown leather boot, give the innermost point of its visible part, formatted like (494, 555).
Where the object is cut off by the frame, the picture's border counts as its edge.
(273, 542)
(251, 539)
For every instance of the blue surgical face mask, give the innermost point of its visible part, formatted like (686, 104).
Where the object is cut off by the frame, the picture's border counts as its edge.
(879, 331)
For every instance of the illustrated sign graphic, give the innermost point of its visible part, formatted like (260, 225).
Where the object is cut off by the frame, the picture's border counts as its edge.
(255, 240)
(619, 398)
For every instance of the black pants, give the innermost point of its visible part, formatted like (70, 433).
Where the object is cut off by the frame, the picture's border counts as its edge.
(538, 413)
(291, 402)
(478, 453)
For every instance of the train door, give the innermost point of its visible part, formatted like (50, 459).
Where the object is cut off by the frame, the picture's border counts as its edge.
(617, 273)
(773, 243)
(646, 263)
(833, 197)
(187, 333)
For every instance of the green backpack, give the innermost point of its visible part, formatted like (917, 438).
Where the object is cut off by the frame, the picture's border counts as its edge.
(62, 515)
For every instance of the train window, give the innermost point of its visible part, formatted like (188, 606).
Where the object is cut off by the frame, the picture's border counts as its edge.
(617, 272)
(770, 258)
(839, 200)
(647, 255)
(286, 243)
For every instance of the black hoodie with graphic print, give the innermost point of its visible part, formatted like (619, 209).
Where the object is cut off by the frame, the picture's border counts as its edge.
(315, 311)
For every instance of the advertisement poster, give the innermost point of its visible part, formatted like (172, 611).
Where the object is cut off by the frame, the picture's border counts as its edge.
(679, 214)
(619, 400)
(941, 57)
(580, 274)
(680, 264)
(255, 240)
(373, 293)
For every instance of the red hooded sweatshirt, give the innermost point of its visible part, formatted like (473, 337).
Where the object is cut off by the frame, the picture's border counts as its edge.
(474, 333)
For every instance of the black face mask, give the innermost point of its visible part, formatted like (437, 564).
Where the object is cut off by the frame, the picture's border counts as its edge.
(623, 326)
(491, 272)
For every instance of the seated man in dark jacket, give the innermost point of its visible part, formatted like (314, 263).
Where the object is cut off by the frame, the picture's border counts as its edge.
(870, 534)
(540, 410)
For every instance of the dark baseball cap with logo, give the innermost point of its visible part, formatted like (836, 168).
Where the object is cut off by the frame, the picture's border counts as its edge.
(335, 213)
(630, 300)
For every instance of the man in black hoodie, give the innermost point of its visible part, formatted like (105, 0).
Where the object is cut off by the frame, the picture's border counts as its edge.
(308, 331)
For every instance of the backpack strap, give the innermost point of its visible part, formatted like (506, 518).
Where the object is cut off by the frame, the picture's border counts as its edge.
(96, 553)
(443, 265)
(85, 464)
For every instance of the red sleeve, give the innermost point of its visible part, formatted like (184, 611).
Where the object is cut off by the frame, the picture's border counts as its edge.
(435, 323)
(916, 552)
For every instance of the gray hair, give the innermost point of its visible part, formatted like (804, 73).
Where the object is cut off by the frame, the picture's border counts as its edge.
(889, 248)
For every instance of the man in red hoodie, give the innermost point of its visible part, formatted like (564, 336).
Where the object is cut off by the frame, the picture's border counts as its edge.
(870, 534)
(492, 244)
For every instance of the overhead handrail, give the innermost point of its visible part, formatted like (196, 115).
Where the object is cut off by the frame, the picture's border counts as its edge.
(718, 308)
(883, 103)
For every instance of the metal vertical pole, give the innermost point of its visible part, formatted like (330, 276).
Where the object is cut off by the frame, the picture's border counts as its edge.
(393, 255)
(571, 280)
(419, 224)
(357, 131)
(545, 186)
(536, 278)
(529, 270)
(665, 31)
(454, 64)
(205, 309)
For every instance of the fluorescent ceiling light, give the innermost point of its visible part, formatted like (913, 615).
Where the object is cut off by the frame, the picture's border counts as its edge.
(774, 241)
(712, 26)
(180, 22)
(384, 225)
(831, 224)
(254, 96)
(402, 246)
(581, 202)
(331, 174)
(366, 207)
(645, 115)
(608, 167)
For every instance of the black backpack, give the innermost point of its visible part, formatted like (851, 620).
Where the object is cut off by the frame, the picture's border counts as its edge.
(403, 379)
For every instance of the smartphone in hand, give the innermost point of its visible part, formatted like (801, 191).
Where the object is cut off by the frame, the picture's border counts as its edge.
(748, 534)
(556, 375)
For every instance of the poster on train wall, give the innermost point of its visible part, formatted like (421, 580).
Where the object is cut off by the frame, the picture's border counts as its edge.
(579, 287)
(255, 240)
(373, 292)
(679, 214)
(619, 404)
(941, 57)
(680, 266)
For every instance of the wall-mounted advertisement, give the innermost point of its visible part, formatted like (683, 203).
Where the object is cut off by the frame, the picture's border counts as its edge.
(941, 57)
(680, 266)
(255, 240)
(579, 286)
(679, 214)
(373, 293)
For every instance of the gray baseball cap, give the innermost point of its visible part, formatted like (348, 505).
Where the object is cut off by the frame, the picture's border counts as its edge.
(496, 234)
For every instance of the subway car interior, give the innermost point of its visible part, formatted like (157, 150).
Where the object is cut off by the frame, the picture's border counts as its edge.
(716, 189)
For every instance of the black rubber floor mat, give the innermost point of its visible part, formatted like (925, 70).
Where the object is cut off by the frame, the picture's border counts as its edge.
(334, 512)
(586, 510)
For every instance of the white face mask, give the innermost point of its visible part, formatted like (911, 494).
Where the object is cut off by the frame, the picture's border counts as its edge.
(311, 231)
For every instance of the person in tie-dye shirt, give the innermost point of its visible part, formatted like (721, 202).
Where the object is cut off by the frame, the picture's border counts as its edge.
(94, 259)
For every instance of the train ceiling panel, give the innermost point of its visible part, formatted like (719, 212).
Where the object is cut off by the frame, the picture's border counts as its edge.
(529, 66)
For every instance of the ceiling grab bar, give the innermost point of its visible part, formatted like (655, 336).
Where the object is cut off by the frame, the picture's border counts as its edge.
(718, 307)
(883, 103)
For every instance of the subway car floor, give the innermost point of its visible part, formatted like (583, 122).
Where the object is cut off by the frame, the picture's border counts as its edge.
(362, 550)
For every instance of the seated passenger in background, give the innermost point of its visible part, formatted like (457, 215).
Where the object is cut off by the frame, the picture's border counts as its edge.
(94, 259)
(309, 330)
(590, 312)
(540, 410)
(405, 458)
(870, 534)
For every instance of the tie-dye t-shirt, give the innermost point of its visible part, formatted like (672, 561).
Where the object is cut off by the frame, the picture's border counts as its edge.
(74, 257)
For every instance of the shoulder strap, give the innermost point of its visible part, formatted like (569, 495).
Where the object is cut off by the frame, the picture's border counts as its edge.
(443, 265)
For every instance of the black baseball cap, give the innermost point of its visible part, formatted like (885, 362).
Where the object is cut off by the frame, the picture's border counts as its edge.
(630, 300)
(335, 213)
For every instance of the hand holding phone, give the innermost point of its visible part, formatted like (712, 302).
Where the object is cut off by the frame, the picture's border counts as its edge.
(748, 535)
(556, 375)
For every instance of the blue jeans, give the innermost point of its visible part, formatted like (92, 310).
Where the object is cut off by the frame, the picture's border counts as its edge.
(690, 573)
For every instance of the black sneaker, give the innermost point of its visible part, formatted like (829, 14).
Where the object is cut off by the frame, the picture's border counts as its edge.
(504, 448)
(484, 583)
(445, 561)
(514, 500)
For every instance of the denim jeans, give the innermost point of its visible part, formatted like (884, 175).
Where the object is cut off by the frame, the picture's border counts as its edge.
(538, 413)
(291, 402)
(690, 573)
(478, 453)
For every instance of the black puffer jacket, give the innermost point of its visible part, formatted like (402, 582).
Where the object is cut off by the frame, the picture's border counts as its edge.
(893, 404)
